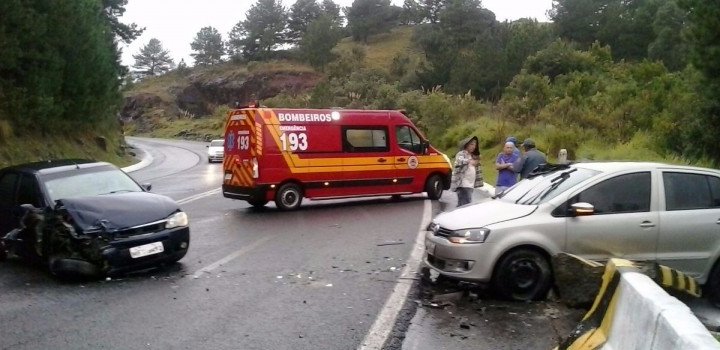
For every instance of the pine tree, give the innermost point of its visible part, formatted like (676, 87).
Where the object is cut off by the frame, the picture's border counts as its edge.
(208, 47)
(59, 65)
(302, 13)
(260, 33)
(318, 41)
(369, 17)
(153, 59)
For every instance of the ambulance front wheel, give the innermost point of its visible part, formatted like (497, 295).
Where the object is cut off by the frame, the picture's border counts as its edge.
(434, 187)
(289, 196)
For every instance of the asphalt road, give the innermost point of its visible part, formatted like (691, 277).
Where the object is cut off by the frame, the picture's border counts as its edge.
(316, 278)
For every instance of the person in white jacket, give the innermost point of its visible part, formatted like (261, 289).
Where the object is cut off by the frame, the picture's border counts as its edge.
(464, 171)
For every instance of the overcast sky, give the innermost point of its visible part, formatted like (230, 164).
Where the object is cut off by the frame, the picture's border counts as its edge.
(176, 22)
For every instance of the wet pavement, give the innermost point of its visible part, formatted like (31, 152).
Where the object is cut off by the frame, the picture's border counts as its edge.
(451, 315)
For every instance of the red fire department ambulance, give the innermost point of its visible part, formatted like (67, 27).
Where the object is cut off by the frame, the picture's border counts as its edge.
(285, 155)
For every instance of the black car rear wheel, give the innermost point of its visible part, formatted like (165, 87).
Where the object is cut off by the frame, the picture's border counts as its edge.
(523, 274)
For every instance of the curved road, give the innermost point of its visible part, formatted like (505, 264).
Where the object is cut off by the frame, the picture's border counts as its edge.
(316, 278)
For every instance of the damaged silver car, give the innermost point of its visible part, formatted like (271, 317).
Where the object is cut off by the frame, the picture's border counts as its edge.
(87, 218)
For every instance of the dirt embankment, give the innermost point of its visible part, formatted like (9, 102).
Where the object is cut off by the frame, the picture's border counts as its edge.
(199, 94)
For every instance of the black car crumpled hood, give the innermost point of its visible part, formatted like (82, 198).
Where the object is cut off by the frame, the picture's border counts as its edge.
(119, 210)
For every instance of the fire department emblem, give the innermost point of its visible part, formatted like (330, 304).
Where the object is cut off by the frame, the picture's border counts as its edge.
(412, 162)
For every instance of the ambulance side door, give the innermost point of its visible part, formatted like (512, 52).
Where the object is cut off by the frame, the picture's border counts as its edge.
(408, 151)
(368, 160)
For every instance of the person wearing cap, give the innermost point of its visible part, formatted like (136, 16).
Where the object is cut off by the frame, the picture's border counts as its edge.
(504, 164)
(529, 160)
(464, 170)
(516, 150)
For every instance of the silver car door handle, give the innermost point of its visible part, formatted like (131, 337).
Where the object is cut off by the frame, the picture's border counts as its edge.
(647, 224)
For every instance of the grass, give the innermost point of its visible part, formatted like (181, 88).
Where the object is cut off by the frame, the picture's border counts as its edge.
(200, 129)
(382, 48)
(36, 147)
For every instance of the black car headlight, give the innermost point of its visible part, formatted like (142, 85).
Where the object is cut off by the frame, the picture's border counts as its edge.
(469, 235)
(178, 219)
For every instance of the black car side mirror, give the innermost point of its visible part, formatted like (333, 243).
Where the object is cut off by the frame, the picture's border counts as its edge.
(425, 146)
(146, 186)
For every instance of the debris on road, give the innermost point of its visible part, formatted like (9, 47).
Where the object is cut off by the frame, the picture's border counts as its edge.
(390, 243)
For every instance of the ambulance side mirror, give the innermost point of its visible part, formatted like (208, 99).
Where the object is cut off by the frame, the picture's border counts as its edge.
(425, 146)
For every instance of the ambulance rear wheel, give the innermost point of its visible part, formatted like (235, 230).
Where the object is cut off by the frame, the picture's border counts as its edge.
(289, 196)
(434, 187)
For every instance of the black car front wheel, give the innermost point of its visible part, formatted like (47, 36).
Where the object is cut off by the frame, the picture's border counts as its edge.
(522, 275)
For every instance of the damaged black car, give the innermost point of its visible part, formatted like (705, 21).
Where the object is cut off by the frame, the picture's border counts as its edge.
(82, 218)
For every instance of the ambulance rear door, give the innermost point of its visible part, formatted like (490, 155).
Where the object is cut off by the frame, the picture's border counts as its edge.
(242, 131)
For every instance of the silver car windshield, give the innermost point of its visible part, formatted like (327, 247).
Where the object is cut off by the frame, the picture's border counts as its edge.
(545, 187)
(90, 184)
(217, 143)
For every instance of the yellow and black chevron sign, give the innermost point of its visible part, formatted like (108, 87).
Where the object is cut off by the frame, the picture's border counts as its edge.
(593, 331)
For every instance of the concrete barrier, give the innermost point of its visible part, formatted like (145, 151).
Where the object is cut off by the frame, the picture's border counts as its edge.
(145, 159)
(632, 312)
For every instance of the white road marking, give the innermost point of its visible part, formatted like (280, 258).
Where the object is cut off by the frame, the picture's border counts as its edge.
(380, 330)
(198, 196)
(231, 257)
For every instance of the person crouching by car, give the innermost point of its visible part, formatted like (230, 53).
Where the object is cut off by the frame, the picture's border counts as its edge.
(464, 170)
(504, 164)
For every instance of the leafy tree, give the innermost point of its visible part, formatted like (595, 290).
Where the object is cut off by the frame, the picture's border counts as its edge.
(702, 35)
(463, 20)
(525, 38)
(153, 59)
(560, 58)
(332, 11)
(317, 43)
(208, 47)
(669, 46)
(464, 50)
(412, 12)
(577, 20)
(370, 17)
(625, 25)
(431, 9)
(302, 13)
(261, 31)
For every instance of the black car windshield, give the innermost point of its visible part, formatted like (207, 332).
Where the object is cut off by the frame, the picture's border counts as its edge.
(95, 182)
(545, 187)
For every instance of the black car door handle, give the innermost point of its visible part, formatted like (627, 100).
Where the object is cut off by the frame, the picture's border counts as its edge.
(382, 160)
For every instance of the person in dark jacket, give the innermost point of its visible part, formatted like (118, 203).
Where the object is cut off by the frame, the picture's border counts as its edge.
(530, 159)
